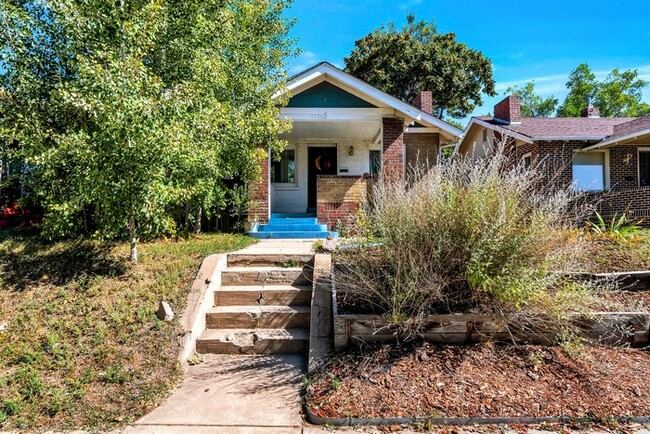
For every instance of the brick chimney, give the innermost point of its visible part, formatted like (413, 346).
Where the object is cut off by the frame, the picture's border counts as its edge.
(424, 101)
(590, 111)
(509, 110)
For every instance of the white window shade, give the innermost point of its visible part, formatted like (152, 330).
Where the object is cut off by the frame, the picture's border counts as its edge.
(589, 171)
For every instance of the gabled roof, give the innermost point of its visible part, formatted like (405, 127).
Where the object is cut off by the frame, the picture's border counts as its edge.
(326, 71)
(560, 128)
(600, 131)
(630, 130)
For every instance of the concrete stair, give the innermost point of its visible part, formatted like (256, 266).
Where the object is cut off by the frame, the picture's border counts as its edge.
(259, 341)
(292, 226)
(279, 295)
(263, 306)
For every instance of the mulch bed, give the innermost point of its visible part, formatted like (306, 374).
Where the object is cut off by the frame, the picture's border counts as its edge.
(488, 380)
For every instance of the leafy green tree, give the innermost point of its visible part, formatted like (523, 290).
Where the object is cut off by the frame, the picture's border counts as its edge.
(620, 94)
(405, 62)
(127, 110)
(582, 84)
(532, 104)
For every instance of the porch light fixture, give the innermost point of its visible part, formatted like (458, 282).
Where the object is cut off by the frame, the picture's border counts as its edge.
(351, 151)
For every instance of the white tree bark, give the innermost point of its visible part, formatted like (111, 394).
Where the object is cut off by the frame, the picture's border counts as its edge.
(134, 241)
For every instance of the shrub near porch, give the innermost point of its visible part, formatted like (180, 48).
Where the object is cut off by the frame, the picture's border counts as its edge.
(482, 239)
(469, 237)
(82, 346)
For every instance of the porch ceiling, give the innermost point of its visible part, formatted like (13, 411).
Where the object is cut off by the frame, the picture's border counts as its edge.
(359, 130)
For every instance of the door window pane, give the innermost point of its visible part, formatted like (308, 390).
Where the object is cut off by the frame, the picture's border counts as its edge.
(644, 168)
(589, 171)
(375, 162)
(284, 171)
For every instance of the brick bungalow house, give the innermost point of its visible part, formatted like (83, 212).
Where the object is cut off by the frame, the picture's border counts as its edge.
(344, 131)
(609, 157)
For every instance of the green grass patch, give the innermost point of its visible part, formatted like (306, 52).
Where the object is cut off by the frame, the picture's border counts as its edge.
(83, 347)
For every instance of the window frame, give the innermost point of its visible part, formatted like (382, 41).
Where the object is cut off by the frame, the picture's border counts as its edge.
(295, 170)
(639, 150)
(606, 170)
(370, 153)
(523, 159)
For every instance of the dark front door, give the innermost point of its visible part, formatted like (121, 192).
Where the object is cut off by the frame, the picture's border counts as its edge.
(322, 161)
(644, 168)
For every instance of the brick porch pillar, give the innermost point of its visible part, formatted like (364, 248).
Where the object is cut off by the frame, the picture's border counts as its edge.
(393, 146)
(259, 191)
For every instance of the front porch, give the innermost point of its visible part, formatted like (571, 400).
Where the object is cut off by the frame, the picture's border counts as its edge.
(324, 171)
(344, 132)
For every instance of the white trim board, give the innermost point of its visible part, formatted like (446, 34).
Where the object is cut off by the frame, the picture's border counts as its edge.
(326, 71)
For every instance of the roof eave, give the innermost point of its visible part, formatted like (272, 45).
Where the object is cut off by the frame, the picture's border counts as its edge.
(567, 138)
(616, 140)
(410, 113)
(498, 128)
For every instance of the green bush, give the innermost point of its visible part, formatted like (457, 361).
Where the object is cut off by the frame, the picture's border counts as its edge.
(466, 236)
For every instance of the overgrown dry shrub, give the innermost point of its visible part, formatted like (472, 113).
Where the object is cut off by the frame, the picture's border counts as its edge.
(467, 236)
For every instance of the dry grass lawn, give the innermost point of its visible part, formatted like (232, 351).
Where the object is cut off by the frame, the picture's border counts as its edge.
(82, 347)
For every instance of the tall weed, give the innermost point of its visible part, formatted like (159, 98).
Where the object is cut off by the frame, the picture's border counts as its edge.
(466, 236)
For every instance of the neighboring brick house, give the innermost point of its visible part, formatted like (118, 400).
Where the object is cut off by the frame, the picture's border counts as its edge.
(609, 157)
(343, 131)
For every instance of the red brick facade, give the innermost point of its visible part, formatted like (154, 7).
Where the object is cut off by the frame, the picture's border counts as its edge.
(508, 110)
(337, 214)
(259, 192)
(424, 101)
(393, 148)
(339, 199)
(624, 195)
(624, 167)
(634, 201)
(421, 151)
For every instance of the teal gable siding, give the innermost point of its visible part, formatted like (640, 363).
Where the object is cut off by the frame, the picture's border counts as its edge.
(326, 94)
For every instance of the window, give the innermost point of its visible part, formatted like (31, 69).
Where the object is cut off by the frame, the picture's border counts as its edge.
(527, 160)
(284, 170)
(485, 135)
(644, 168)
(375, 162)
(589, 171)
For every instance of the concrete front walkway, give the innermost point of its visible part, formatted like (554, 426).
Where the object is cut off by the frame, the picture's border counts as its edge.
(233, 394)
(237, 394)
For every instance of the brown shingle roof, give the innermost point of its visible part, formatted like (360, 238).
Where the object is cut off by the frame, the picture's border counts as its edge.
(627, 128)
(576, 128)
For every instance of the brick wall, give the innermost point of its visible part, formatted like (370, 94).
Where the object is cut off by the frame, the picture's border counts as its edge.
(556, 158)
(339, 198)
(623, 167)
(509, 109)
(393, 143)
(421, 151)
(625, 195)
(634, 201)
(527, 148)
(424, 101)
(259, 191)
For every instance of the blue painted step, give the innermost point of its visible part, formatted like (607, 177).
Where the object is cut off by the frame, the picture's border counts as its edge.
(293, 234)
(293, 221)
(283, 225)
(287, 227)
(291, 216)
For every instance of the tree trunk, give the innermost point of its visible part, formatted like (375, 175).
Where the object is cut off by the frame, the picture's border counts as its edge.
(187, 217)
(134, 241)
(199, 215)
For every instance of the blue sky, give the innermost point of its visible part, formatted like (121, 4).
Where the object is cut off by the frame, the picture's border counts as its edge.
(526, 40)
